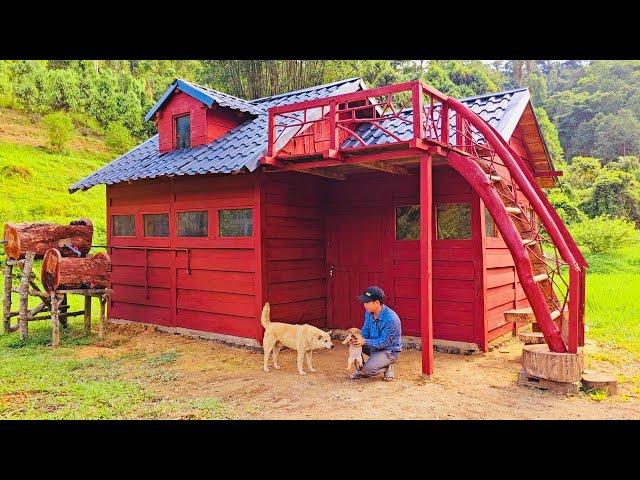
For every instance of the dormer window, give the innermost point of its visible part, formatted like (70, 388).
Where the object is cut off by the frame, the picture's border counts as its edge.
(183, 131)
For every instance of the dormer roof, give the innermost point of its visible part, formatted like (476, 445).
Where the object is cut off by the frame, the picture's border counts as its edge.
(206, 96)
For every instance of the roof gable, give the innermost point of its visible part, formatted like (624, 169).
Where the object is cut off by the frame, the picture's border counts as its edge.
(206, 96)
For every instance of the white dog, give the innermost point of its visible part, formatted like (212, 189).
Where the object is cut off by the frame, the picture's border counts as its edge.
(302, 338)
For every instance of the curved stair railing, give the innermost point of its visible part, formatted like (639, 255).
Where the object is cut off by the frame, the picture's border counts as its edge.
(483, 158)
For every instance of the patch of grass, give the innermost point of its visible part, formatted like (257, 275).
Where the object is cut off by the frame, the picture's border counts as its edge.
(34, 187)
(612, 300)
(597, 395)
(164, 358)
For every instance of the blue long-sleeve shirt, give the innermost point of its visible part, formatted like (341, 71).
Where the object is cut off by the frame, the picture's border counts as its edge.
(383, 333)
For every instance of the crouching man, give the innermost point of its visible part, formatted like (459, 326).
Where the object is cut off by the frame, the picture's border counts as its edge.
(381, 335)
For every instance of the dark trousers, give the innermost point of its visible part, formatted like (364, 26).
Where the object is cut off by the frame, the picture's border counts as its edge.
(378, 361)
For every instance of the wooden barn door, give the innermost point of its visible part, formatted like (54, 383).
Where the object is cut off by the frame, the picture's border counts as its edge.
(355, 260)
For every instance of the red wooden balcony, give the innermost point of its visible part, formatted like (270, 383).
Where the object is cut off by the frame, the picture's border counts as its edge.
(332, 126)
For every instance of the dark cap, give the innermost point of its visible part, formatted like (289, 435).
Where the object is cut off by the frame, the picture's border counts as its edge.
(372, 293)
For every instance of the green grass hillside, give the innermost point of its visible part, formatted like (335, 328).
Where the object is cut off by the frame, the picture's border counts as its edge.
(34, 182)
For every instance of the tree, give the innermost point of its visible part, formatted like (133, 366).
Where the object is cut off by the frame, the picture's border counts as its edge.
(550, 135)
(59, 131)
(615, 193)
(617, 135)
(603, 234)
(62, 90)
(117, 138)
(583, 171)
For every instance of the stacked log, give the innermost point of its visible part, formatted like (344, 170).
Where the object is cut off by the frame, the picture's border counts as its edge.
(21, 238)
(69, 273)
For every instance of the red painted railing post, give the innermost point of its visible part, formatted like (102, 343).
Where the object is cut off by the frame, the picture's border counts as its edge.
(270, 135)
(574, 309)
(444, 123)
(333, 134)
(583, 291)
(417, 103)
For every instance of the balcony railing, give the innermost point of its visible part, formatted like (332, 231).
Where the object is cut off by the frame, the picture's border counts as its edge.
(335, 124)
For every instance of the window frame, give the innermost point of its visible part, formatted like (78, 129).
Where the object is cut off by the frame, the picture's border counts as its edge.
(435, 220)
(395, 223)
(243, 237)
(189, 210)
(175, 129)
(123, 214)
(496, 232)
(149, 237)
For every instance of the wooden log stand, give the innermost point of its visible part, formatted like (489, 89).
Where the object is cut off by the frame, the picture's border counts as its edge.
(72, 239)
(53, 305)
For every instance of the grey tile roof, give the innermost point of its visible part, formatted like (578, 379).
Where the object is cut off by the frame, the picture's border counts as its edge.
(243, 146)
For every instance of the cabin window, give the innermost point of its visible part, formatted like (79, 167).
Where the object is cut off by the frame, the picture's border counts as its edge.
(193, 224)
(453, 221)
(183, 131)
(408, 222)
(236, 222)
(489, 225)
(156, 225)
(123, 225)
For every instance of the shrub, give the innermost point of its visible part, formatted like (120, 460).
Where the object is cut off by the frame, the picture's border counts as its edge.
(85, 124)
(59, 130)
(604, 234)
(117, 138)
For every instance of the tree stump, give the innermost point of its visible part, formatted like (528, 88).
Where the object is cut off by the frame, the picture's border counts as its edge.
(539, 361)
(599, 381)
(68, 273)
(40, 237)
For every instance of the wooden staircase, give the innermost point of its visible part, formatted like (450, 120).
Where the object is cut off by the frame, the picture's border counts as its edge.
(526, 220)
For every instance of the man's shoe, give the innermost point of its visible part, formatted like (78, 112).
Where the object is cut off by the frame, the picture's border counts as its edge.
(388, 375)
(355, 375)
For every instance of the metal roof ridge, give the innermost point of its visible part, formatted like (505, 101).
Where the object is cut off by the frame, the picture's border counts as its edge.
(483, 95)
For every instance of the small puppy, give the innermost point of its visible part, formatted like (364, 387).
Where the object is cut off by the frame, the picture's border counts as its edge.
(302, 338)
(355, 351)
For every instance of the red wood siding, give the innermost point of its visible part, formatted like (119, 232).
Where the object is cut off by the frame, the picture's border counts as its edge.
(207, 124)
(219, 294)
(453, 264)
(294, 242)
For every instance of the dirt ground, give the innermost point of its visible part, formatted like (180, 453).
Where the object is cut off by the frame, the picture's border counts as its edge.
(479, 386)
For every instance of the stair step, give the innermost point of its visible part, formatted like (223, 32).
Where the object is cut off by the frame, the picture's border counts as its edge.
(529, 241)
(514, 210)
(520, 315)
(494, 178)
(555, 314)
(531, 338)
(541, 277)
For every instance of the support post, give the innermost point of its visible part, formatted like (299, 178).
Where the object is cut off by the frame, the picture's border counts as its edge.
(24, 295)
(56, 299)
(426, 321)
(574, 311)
(6, 318)
(102, 326)
(87, 315)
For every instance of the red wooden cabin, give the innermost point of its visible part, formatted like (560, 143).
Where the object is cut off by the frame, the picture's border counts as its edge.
(306, 198)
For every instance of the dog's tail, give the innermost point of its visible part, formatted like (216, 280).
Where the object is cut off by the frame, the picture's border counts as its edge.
(266, 314)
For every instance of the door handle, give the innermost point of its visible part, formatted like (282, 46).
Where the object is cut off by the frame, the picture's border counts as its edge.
(331, 267)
